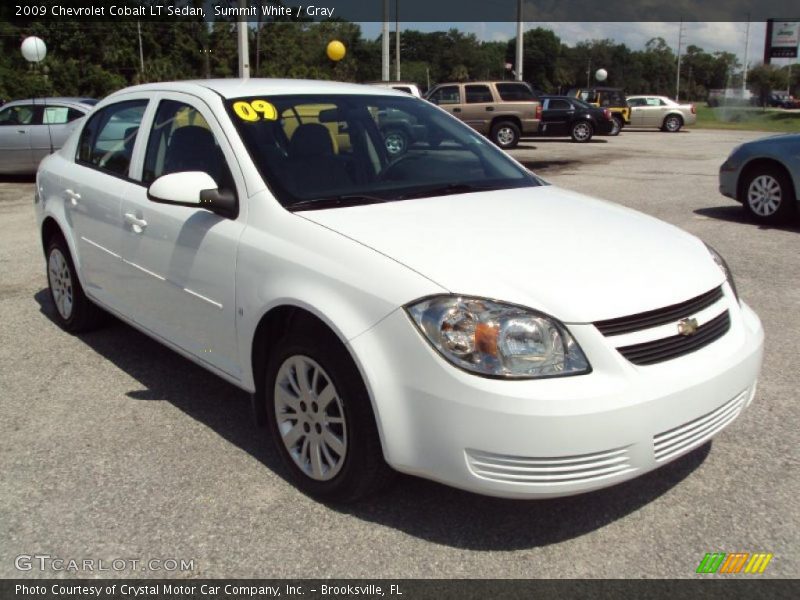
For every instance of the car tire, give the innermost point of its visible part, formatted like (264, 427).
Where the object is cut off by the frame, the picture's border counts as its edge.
(505, 134)
(332, 451)
(581, 131)
(672, 124)
(617, 125)
(74, 311)
(767, 195)
(396, 142)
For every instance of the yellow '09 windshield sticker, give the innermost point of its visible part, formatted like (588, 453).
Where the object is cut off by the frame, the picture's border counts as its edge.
(255, 110)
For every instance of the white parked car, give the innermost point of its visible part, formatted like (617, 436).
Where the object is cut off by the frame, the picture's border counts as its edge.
(660, 112)
(444, 312)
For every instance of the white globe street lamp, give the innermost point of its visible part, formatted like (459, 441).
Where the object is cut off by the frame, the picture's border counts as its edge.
(601, 75)
(34, 49)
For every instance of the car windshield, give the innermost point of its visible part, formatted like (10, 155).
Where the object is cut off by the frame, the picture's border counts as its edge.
(343, 150)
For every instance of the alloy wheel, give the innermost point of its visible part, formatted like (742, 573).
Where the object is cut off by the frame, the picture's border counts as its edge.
(60, 280)
(310, 417)
(582, 132)
(672, 124)
(505, 136)
(764, 195)
(395, 143)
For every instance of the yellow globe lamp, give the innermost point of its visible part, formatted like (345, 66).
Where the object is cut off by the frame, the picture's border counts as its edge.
(336, 50)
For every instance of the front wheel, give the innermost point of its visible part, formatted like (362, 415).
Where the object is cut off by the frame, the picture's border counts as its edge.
(321, 418)
(616, 125)
(74, 311)
(505, 134)
(768, 195)
(581, 132)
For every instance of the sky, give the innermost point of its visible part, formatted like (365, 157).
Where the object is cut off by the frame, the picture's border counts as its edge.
(712, 37)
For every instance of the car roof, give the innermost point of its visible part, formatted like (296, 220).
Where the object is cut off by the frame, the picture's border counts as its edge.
(239, 88)
(597, 88)
(55, 100)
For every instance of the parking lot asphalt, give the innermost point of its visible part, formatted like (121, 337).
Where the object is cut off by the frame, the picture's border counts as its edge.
(112, 446)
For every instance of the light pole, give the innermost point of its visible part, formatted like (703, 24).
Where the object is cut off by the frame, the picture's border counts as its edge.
(244, 49)
(519, 40)
(385, 43)
(678, 74)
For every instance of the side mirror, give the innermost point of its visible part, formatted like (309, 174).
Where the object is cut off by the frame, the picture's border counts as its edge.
(194, 189)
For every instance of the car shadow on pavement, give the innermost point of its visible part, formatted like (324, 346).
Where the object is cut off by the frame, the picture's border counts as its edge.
(415, 506)
(567, 140)
(737, 214)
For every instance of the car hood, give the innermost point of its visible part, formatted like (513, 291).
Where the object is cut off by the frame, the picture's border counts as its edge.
(574, 257)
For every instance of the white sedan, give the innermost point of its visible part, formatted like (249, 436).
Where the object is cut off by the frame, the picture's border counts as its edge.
(660, 112)
(444, 312)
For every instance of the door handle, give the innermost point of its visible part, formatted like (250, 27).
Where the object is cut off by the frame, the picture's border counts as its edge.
(138, 225)
(22, 131)
(490, 108)
(73, 197)
(455, 110)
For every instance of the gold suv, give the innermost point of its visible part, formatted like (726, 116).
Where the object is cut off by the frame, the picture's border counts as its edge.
(503, 111)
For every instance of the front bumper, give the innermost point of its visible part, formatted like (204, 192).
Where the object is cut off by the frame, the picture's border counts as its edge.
(728, 180)
(551, 437)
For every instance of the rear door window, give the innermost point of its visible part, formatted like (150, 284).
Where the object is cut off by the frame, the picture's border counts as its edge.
(108, 138)
(511, 92)
(477, 94)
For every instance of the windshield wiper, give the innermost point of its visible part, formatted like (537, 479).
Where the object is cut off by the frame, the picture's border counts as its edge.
(337, 201)
(451, 188)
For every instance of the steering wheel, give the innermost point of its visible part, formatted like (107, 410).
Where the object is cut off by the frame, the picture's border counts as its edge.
(385, 173)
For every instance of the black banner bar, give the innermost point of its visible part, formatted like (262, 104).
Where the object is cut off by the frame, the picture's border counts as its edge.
(744, 587)
(438, 11)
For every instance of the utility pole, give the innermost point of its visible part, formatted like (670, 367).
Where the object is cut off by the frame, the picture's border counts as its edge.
(244, 49)
(519, 41)
(141, 52)
(746, 50)
(589, 72)
(397, 38)
(385, 43)
(678, 74)
(258, 40)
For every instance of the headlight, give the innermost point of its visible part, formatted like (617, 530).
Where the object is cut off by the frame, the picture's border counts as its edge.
(725, 269)
(498, 340)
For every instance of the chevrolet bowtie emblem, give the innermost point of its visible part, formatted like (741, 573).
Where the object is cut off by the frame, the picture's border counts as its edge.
(687, 326)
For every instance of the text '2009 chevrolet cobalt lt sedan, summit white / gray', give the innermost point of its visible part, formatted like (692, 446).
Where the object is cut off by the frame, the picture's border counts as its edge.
(441, 312)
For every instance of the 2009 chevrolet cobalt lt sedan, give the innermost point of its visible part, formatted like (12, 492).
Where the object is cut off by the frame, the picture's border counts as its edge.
(441, 312)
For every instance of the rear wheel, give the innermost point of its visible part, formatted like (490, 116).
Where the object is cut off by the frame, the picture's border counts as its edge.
(321, 418)
(505, 134)
(581, 131)
(672, 124)
(616, 125)
(768, 196)
(74, 311)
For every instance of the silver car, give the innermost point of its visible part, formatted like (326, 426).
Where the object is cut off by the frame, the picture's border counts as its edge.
(33, 128)
(764, 175)
(660, 112)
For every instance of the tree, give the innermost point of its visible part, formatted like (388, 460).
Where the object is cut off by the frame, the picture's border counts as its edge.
(765, 78)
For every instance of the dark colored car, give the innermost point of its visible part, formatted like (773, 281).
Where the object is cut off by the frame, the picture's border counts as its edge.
(565, 116)
(606, 97)
(782, 100)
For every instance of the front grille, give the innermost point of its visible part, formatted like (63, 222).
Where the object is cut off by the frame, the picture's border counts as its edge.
(669, 444)
(648, 353)
(550, 470)
(660, 316)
